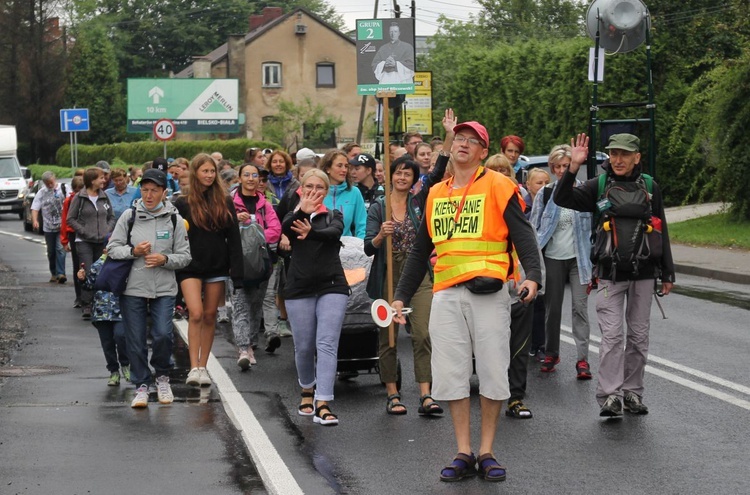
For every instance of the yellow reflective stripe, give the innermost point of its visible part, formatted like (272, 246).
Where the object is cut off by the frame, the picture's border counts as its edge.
(484, 267)
(457, 259)
(461, 245)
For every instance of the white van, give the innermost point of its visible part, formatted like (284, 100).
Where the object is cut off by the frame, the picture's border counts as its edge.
(13, 184)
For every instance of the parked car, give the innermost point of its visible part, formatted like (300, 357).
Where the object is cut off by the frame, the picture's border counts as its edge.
(540, 161)
(28, 225)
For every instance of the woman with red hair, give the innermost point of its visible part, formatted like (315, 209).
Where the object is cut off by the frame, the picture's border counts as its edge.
(513, 147)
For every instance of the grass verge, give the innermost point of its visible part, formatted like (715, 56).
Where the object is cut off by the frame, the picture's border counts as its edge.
(713, 230)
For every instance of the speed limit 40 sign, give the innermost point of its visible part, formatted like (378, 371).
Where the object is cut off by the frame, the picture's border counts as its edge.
(164, 130)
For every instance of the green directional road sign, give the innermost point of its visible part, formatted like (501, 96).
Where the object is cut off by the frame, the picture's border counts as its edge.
(194, 105)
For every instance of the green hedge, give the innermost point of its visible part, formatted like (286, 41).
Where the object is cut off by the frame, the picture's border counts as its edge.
(143, 151)
(37, 170)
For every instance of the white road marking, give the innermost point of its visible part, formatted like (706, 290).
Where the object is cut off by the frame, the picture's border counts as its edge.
(275, 474)
(731, 399)
(24, 237)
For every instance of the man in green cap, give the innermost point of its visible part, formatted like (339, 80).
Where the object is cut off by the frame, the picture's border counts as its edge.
(626, 280)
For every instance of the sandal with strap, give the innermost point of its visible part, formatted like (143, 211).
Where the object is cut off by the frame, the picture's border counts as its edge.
(302, 409)
(490, 469)
(391, 405)
(429, 409)
(517, 409)
(463, 466)
(325, 418)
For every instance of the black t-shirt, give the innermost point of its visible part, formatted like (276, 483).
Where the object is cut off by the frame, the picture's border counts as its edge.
(250, 202)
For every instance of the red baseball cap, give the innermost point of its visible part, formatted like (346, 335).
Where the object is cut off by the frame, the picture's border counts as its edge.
(476, 127)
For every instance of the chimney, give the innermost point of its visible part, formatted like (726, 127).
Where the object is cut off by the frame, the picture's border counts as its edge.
(269, 14)
(201, 67)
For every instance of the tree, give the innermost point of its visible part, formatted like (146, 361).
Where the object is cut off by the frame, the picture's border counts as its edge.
(531, 19)
(33, 54)
(301, 124)
(94, 84)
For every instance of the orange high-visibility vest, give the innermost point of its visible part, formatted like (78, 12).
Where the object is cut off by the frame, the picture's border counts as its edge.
(477, 243)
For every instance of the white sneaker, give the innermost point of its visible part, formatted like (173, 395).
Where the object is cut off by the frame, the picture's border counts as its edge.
(251, 356)
(163, 390)
(203, 378)
(193, 378)
(141, 397)
(223, 316)
(244, 361)
(284, 329)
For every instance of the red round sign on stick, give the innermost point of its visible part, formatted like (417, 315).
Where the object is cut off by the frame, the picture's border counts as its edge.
(382, 312)
(164, 130)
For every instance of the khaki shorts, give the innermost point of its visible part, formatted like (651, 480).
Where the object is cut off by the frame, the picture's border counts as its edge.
(463, 324)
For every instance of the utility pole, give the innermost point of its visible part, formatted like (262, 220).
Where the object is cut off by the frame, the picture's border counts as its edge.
(396, 9)
(413, 9)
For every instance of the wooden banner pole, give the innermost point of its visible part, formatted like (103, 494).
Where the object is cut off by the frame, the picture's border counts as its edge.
(388, 240)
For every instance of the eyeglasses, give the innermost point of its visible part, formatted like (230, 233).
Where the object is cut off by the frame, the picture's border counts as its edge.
(248, 174)
(463, 139)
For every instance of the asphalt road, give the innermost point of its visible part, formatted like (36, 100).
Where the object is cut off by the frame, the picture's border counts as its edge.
(693, 440)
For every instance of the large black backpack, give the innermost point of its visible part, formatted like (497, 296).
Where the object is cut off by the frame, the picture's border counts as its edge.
(626, 235)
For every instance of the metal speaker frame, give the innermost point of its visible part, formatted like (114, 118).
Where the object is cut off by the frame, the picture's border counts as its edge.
(620, 24)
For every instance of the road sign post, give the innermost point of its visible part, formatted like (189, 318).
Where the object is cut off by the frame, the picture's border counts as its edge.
(74, 120)
(164, 130)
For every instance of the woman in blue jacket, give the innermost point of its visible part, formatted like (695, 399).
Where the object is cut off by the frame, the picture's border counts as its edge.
(342, 196)
(564, 237)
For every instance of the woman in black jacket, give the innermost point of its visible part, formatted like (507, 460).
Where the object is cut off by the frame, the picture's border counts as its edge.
(216, 251)
(316, 294)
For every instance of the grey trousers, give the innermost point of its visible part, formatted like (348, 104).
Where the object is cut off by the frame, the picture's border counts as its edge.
(270, 311)
(621, 367)
(247, 311)
(558, 273)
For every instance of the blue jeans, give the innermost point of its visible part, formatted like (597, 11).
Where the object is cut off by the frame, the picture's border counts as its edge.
(55, 253)
(112, 337)
(134, 313)
(316, 327)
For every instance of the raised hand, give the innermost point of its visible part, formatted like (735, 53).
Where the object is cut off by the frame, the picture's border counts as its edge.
(310, 200)
(449, 121)
(579, 152)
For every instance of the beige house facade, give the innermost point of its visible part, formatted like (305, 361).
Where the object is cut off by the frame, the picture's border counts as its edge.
(290, 56)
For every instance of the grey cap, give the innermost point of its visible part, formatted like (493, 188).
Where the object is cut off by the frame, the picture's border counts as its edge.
(102, 165)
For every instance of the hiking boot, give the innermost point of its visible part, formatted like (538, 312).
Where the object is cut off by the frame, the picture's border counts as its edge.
(582, 368)
(86, 312)
(163, 390)
(548, 366)
(612, 408)
(284, 329)
(141, 397)
(633, 404)
(114, 379)
(244, 361)
(272, 344)
(193, 378)
(61, 279)
(53, 279)
(203, 379)
(125, 370)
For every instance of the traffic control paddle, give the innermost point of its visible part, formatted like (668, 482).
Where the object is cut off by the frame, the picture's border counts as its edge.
(382, 313)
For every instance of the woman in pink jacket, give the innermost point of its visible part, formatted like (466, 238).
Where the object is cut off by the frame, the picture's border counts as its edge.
(247, 299)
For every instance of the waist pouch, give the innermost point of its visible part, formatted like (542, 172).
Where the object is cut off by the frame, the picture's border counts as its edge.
(484, 285)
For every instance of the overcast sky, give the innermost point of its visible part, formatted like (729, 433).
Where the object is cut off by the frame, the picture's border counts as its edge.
(427, 11)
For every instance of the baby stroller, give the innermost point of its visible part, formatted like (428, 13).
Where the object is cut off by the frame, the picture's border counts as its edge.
(358, 345)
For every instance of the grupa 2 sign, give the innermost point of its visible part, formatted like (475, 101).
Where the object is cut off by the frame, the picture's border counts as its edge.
(193, 105)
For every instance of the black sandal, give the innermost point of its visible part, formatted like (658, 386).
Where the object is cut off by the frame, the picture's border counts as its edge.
(392, 404)
(301, 409)
(463, 466)
(517, 409)
(431, 408)
(490, 469)
(325, 418)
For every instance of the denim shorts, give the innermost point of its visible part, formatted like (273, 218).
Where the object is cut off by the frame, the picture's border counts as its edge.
(211, 280)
